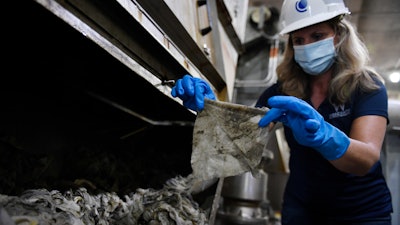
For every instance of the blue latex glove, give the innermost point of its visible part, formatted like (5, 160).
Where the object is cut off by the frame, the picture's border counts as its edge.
(308, 126)
(192, 91)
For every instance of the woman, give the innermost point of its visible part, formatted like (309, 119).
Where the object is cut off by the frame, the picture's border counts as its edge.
(334, 111)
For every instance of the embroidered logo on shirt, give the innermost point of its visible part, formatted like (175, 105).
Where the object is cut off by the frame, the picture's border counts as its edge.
(340, 111)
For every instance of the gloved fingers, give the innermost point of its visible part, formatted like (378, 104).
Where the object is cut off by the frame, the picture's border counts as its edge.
(188, 85)
(273, 115)
(292, 104)
(183, 88)
(208, 92)
(175, 91)
(199, 96)
(312, 125)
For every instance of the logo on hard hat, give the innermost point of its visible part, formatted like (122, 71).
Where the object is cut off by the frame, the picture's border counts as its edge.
(301, 6)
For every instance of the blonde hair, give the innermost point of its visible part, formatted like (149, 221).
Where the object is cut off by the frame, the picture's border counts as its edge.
(350, 70)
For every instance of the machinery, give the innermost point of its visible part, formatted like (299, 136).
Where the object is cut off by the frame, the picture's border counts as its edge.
(100, 93)
(244, 200)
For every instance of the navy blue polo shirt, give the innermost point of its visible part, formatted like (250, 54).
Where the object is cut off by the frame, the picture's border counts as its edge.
(315, 185)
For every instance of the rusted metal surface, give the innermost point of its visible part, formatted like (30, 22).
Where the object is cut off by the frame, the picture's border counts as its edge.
(165, 18)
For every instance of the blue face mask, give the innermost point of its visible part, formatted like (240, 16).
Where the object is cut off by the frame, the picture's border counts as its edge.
(317, 57)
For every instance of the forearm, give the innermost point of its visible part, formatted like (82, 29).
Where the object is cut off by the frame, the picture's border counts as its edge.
(366, 140)
(358, 159)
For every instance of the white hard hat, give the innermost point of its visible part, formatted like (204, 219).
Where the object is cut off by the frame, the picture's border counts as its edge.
(296, 14)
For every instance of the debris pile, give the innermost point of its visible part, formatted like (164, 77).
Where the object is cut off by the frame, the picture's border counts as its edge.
(173, 204)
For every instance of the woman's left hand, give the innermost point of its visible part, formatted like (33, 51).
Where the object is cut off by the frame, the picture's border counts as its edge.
(308, 126)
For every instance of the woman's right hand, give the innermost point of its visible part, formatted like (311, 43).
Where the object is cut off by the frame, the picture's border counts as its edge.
(192, 91)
